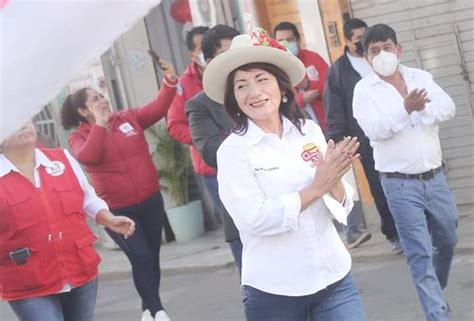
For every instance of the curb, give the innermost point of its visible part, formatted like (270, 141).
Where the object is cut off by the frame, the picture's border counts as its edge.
(390, 257)
(172, 271)
(125, 274)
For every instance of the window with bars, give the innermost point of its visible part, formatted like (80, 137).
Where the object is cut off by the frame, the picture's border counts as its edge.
(47, 134)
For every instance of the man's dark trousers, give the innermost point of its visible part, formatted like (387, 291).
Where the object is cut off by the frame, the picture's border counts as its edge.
(367, 159)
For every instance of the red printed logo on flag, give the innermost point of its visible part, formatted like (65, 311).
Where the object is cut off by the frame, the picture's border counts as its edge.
(311, 154)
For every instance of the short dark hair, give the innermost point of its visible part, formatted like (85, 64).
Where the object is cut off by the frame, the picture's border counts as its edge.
(286, 25)
(352, 24)
(211, 40)
(70, 117)
(288, 109)
(378, 32)
(200, 30)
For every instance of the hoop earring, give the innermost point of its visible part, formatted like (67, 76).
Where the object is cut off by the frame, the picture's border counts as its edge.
(284, 99)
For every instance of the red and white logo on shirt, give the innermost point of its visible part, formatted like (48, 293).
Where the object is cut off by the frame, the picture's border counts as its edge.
(311, 153)
(57, 169)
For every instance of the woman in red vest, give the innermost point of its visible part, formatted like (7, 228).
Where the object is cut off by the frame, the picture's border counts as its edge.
(114, 151)
(48, 265)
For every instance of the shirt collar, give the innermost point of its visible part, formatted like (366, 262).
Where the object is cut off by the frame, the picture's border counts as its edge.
(40, 159)
(255, 134)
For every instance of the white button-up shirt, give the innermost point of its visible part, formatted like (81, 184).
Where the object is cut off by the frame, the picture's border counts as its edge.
(360, 65)
(92, 203)
(286, 251)
(402, 142)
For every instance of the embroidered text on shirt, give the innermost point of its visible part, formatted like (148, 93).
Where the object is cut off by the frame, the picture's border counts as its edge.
(261, 169)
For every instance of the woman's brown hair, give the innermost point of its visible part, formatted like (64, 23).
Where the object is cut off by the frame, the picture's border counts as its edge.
(70, 117)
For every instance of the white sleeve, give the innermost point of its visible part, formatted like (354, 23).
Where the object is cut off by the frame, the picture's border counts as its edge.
(241, 195)
(376, 126)
(440, 108)
(92, 203)
(336, 209)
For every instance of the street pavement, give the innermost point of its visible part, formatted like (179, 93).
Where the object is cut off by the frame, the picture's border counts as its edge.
(201, 284)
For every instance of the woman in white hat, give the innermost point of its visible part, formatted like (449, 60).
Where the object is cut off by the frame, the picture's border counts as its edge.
(281, 183)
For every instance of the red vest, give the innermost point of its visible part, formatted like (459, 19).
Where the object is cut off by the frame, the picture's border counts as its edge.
(49, 221)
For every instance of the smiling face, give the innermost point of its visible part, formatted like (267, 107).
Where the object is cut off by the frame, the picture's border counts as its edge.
(258, 95)
(95, 101)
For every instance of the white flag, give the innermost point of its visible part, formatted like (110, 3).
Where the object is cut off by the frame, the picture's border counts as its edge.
(45, 43)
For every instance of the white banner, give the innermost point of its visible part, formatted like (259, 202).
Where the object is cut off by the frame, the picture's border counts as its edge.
(43, 44)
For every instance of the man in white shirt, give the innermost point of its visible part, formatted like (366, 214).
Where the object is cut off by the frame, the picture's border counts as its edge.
(399, 109)
(342, 77)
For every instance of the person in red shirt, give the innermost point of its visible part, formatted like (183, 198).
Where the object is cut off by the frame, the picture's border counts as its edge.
(114, 151)
(310, 91)
(48, 265)
(190, 83)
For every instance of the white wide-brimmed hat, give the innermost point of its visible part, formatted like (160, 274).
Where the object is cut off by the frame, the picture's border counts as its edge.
(244, 50)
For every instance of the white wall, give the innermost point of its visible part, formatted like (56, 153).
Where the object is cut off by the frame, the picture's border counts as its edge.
(313, 27)
(136, 67)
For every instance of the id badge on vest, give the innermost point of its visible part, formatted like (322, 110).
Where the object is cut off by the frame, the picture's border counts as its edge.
(312, 73)
(127, 129)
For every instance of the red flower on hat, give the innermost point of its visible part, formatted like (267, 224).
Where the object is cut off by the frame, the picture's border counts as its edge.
(262, 38)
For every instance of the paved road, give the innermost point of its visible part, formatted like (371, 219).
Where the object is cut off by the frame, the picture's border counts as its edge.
(215, 296)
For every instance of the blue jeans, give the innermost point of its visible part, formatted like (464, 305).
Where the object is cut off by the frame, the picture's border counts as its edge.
(340, 301)
(212, 189)
(76, 305)
(426, 217)
(143, 248)
(236, 248)
(353, 223)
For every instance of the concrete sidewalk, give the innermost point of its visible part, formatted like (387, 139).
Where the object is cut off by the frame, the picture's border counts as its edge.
(209, 252)
(212, 253)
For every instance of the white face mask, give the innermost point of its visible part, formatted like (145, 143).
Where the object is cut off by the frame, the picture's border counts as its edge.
(385, 63)
(293, 47)
(202, 61)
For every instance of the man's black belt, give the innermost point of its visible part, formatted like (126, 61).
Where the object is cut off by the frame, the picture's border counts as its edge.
(424, 176)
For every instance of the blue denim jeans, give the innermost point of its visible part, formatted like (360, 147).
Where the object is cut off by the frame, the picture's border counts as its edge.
(340, 301)
(76, 305)
(353, 224)
(236, 248)
(426, 217)
(212, 189)
(143, 248)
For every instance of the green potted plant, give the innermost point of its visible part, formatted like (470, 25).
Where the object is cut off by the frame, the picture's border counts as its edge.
(174, 166)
